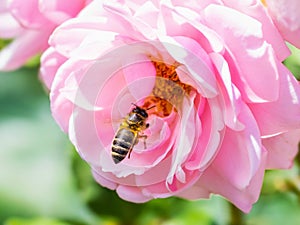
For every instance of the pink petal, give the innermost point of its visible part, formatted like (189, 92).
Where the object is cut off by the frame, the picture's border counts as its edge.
(94, 30)
(59, 11)
(138, 70)
(287, 18)
(133, 194)
(146, 13)
(103, 181)
(3, 6)
(284, 113)
(17, 53)
(10, 27)
(94, 98)
(28, 13)
(61, 103)
(250, 53)
(229, 93)
(180, 21)
(121, 12)
(50, 62)
(164, 189)
(240, 155)
(83, 134)
(211, 136)
(186, 138)
(213, 181)
(255, 9)
(188, 52)
(87, 38)
(282, 149)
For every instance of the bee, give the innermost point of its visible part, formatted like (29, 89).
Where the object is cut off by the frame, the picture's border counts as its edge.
(130, 131)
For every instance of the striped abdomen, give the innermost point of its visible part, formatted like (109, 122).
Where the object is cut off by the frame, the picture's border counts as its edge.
(122, 144)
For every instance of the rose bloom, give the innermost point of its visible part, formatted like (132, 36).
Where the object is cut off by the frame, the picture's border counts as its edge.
(225, 107)
(29, 23)
(287, 18)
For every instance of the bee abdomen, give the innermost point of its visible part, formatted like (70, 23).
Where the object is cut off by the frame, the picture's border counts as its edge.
(122, 144)
(119, 153)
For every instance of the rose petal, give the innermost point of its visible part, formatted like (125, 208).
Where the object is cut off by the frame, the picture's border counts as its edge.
(10, 27)
(187, 52)
(240, 150)
(210, 138)
(185, 22)
(284, 113)
(230, 94)
(255, 9)
(59, 11)
(213, 181)
(282, 149)
(249, 50)
(50, 62)
(17, 53)
(188, 131)
(29, 17)
(286, 17)
(61, 104)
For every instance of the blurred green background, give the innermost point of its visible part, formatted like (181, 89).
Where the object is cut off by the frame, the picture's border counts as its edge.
(44, 182)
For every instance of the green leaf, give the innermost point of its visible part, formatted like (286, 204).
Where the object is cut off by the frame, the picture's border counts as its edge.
(36, 221)
(4, 42)
(293, 61)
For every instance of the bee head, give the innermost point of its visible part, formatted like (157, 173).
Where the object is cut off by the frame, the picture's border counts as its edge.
(140, 111)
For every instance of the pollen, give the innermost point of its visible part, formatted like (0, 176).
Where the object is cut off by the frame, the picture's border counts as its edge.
(264, 2)
(168, 92)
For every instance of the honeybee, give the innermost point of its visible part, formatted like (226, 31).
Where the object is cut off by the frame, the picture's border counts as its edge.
(129, 133)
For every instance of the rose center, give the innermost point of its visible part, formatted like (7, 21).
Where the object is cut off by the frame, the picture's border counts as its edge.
(168, 92)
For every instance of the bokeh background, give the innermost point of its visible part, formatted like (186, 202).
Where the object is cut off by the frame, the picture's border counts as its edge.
(44, 182)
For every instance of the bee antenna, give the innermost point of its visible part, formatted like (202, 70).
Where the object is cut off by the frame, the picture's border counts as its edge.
(150, 107)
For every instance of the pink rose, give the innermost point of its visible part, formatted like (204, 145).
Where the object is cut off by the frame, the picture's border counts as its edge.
(225, 107)
(30, 23)
(286, 16)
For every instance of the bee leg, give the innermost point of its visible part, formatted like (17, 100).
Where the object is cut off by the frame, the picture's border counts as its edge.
(130, 150)
(144, 137)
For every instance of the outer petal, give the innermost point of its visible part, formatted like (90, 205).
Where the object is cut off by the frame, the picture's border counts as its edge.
(255, 9)
(213, 181)
(61, 102)
(18, 52)
(284, 113)
(282, 149)
(50, 62)
(240, 155)
(251, 54)
(285, 14)
(9, 28)
(28, 13)
(59, 11)
(87, 38)
(237, 171)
